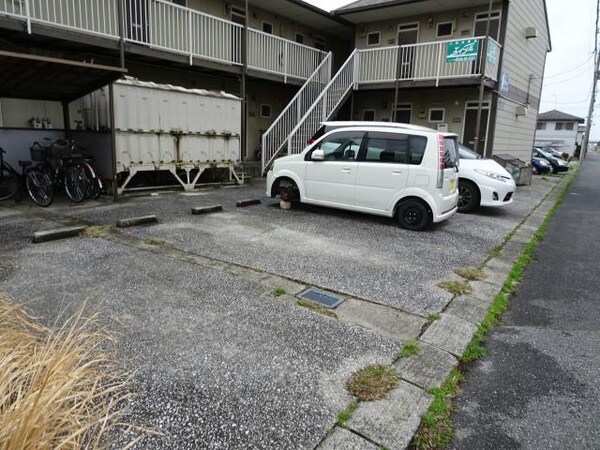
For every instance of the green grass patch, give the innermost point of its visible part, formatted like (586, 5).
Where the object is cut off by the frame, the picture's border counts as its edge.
(317, 308)
(456, 287)
(437, 429)
(433, 317)
(409, 348)
(278, 291)
(374, 382)
(346, 414)
(470, 273)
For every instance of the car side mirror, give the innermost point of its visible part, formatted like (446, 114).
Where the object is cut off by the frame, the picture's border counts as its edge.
(317, 155)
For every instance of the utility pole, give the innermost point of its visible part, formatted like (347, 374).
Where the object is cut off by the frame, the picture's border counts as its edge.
(588, 125)
(477, 148)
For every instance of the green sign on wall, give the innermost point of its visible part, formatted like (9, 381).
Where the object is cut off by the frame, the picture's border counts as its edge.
(463, 50)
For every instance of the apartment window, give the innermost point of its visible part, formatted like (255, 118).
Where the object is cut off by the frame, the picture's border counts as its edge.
(373, 38)
(541, 126)
(444, 29)
(558, 126)
(569, 126)
(267, 27)
(320, 43)
(481, 24)
(368, 115)
(436, 115)
(265, 111)
(403, 113)
(180, 2)
(299, 38)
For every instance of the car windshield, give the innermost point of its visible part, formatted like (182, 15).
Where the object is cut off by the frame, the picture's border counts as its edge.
(467, 153)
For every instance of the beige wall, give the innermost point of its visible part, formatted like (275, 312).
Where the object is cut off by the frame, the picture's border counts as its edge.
(524, 59)
(463, 26)
(282, 26)
(16, 113)
(453, 100)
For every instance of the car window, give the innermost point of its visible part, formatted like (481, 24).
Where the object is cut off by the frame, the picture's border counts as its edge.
(450, 152)
(343, 146)
(418, 144)
(387, 147)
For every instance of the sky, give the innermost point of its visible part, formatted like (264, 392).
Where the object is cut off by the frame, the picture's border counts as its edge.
(569, 67)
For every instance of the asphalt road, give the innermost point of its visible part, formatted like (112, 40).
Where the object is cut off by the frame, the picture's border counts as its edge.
(539, 387)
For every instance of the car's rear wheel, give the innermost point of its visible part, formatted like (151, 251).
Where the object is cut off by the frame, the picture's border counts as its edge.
(468, 196)
(413, 215)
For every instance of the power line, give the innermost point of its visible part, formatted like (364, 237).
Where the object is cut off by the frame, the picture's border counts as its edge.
(572, 69)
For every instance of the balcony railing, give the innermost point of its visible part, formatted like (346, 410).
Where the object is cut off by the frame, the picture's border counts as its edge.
(166, 26)
(430, 61)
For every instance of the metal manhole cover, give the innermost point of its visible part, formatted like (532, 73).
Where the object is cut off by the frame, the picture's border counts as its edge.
(323, 298)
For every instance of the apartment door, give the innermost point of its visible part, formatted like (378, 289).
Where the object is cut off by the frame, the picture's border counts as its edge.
(238, 16)
(136, 24)
(471, 123)
(407, 34)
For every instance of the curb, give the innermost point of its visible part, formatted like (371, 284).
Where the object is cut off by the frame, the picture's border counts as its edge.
(393, 422)
(247, 202)
(55, 234)
(206, 209)
(133, 221)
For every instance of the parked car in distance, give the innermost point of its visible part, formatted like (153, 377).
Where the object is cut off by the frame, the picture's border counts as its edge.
(540, 166)
(482, 182)
(558, 165)
(553, 152)
(387, 169)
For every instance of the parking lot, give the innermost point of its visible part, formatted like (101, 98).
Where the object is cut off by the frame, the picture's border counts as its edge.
(220, 361)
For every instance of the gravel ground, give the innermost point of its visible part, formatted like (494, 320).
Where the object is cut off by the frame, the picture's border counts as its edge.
(218, 366)
(362, 255)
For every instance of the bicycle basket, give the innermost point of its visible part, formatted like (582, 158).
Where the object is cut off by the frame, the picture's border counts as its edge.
(38, 153)
(61, 149)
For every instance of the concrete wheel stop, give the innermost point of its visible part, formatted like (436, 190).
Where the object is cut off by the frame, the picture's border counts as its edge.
(206, 209)
(57, 233)
(134, 221)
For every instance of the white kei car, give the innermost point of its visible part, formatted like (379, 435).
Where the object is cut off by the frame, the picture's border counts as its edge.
(482, 182)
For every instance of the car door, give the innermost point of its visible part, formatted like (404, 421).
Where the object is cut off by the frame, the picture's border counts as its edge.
(382, 169)
(332, 180)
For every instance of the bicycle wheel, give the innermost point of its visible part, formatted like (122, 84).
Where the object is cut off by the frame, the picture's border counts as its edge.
(39, 186)
(75, 183)
(9, 184)
(94, 185)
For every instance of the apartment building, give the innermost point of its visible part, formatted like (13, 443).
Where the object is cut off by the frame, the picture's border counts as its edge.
(448, 65)
(191, 43)
(558, 130)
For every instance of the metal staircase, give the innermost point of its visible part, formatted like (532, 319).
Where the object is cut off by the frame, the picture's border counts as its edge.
(316, 102)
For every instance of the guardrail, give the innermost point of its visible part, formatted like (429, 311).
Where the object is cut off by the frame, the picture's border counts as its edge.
(164, 25)
(426, 61)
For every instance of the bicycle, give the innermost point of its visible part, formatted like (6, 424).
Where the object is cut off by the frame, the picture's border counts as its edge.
(10, 179)
(55, 167)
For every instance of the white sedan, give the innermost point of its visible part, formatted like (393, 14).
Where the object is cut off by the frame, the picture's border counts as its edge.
(482, 182)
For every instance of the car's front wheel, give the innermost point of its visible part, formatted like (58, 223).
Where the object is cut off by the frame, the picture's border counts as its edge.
(468, 196)
(413, 215)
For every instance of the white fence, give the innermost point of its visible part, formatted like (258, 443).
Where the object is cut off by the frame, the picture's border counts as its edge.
(424, 62)
(163, 25)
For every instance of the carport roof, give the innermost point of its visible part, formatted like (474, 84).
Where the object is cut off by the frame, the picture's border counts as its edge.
(29, 76)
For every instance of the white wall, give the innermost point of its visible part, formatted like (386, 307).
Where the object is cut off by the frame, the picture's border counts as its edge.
(562, 140)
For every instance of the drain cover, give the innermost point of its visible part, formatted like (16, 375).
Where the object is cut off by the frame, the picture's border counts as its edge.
(326, 299)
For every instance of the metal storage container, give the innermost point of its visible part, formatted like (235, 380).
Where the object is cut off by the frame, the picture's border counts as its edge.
(165, 127)
(518, 169)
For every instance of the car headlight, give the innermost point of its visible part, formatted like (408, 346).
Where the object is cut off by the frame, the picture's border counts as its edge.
(494, 175)
(542, 162)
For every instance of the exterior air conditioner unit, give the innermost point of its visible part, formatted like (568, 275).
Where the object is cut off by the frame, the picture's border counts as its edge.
(531, 32)
(521, 111)
(443, 127)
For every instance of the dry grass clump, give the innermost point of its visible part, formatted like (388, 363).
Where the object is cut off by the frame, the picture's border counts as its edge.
(58, 388)
(456, 287)
(317, 308)
(471, 273)
(96, 231)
